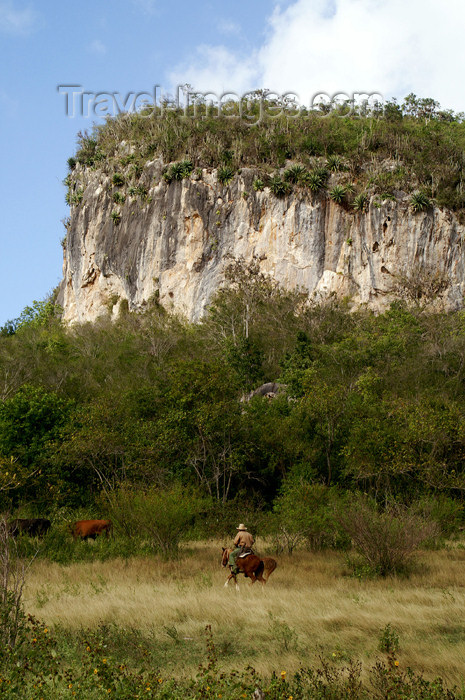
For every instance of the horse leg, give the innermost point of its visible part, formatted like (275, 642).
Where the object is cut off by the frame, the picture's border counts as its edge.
(228, 580)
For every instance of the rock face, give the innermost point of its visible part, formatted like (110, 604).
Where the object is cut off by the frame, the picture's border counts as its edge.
(174, 243)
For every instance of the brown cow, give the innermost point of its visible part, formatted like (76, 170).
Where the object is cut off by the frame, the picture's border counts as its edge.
(90, 528)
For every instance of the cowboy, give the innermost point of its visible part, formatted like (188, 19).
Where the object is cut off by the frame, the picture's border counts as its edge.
(242, 541)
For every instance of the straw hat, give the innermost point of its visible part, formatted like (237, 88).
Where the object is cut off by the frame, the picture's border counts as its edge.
(241, 527)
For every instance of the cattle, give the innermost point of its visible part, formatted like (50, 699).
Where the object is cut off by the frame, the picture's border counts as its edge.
(35, 527)
(85, 529)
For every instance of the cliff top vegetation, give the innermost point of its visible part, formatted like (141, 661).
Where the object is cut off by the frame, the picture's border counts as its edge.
(413, 147)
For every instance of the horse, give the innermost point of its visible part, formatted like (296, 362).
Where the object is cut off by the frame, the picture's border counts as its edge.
(251, 566)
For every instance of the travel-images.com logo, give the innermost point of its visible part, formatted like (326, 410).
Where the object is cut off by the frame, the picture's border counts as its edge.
(252, 107)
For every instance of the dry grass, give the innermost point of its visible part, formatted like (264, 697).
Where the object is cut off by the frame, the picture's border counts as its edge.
(310, 607)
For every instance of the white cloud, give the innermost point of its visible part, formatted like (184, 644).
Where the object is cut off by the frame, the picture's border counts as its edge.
(97, 47)
(16, 21)
(216, 69)
(384, 46)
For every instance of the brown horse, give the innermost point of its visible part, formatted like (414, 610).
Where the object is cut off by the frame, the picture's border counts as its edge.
(251, 566)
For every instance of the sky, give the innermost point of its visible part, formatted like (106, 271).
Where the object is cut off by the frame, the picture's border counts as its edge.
(387, 47)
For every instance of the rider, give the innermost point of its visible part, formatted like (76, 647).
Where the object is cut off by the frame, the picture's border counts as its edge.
(243, 540)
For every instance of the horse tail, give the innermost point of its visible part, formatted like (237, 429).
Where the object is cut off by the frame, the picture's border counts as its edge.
(259, 570)
(270, 566)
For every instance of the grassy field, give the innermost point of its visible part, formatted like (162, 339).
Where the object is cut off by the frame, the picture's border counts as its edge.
(311, 609)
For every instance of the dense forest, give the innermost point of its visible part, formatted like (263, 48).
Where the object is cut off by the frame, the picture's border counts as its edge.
(370, 403)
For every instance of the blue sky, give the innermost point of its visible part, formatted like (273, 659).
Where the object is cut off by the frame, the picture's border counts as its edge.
(299, 45)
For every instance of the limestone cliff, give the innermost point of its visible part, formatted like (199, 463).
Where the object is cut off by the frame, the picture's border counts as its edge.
(173, 242)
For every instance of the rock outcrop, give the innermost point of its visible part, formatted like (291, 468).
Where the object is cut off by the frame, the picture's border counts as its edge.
(172, 244)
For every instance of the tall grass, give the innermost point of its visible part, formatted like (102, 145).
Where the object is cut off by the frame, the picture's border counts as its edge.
(311, 609)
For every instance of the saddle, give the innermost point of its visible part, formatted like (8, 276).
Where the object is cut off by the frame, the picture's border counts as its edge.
(245, 553)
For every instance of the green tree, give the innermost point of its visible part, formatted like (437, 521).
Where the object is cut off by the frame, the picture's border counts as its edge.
(30, 422)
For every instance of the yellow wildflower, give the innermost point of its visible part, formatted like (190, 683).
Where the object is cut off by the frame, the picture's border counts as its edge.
(95, 670)
(45, 631)
(70, 685)
(283, 675)
(88, 648)
(396, 663)
(104, 661)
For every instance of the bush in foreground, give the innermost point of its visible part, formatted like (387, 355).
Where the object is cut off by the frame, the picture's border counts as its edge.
(86, 668)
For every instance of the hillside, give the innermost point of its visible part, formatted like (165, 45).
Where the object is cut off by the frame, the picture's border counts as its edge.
(366, 207)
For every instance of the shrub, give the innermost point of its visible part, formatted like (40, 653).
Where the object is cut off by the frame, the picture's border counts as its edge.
(314, 181)
(335, 163)
(360, 202)
(125, 160)
(141, 191)
(72, 162)
(279, 187)
(116, 216)
(88, 153)
(304, 512)
(119, 198)
(388, 641)
(181, 170)
(387, 539)
(337, 194)
(258, 185)
(225, 174)
(118, 179)
(419, 202)
(446, 512)
(295, 174)
(74, 198)
(164, 516)
(178, 171)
